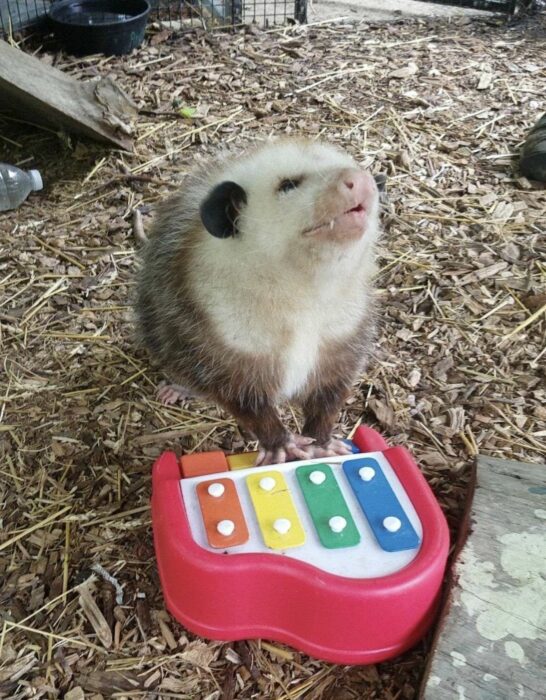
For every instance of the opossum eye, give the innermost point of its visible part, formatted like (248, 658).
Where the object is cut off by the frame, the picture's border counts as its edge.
(289, 184)
(219, 211)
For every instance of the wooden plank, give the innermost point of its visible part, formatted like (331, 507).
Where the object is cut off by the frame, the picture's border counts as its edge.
(490, 643)
(45, 95)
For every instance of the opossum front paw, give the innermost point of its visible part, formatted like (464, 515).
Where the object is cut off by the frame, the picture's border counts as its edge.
(171, 393)
(333, 448)
(296, 447)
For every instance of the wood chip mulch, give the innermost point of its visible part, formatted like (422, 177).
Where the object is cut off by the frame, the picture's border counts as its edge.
(442, 108)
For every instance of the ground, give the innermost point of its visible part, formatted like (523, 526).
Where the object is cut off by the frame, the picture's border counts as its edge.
(442, 108)
(385, 10)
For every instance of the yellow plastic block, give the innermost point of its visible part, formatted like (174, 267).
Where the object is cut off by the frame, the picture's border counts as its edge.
(242, 461)
(277, 516)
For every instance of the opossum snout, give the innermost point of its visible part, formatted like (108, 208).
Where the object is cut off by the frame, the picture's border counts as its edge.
(357, 187)
(346, 208)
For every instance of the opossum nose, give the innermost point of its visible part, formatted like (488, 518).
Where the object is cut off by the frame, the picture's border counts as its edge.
(360, 184)
(348, 179)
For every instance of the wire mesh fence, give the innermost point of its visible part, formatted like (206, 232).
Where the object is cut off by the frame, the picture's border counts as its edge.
(18, 14)
(179, 14)
(211, 13)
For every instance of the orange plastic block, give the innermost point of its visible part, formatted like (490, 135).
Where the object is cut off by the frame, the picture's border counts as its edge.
(203, 463)
(223, 517)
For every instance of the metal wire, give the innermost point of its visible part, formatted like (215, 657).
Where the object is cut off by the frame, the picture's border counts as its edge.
(185, 14)
(18, 14)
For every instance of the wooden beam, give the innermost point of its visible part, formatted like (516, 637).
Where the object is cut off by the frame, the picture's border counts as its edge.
(45, 95)
(491, 639)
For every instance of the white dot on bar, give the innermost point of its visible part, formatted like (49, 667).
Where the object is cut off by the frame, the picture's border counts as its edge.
(317, 477)
(267, 483)
(337, 523)
(226, 527)
(216, 490)
(366, 473)
(392, 524)
(282, 525)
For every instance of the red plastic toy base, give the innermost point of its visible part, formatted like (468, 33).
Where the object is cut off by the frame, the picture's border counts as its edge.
(248, 596)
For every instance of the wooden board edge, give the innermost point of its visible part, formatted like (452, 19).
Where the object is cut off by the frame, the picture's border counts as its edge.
(450, 577)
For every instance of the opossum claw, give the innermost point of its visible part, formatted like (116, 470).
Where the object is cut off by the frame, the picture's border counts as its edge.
(333, 448)
(171, 393)
(301, 447)
(294, 448)
(266, 457)
(302, 440)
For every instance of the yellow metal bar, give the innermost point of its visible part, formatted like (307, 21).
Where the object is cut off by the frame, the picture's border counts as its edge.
(241, 461)
(275, 510)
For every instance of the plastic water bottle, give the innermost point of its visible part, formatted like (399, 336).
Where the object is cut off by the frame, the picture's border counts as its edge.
(16, 185)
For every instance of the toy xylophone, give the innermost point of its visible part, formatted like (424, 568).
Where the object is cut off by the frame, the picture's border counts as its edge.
(342, 557)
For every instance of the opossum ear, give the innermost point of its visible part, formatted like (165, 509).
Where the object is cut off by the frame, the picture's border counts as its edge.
(219, 211)
(380, 181)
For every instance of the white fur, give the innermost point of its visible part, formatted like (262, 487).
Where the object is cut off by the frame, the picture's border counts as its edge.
(278, 291)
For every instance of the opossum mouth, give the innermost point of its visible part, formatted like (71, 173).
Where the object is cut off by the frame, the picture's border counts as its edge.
(348, 219)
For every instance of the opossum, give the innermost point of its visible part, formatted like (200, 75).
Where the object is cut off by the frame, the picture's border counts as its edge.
(256, 288)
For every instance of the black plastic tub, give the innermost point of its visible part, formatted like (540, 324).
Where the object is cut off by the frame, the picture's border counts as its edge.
(111, 27)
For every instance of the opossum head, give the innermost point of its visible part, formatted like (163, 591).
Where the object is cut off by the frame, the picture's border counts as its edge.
(292, 200)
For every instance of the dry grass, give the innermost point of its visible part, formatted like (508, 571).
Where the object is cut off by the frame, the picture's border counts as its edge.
(442, 108)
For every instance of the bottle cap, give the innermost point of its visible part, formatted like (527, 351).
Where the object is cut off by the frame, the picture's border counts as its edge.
(36, 179)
